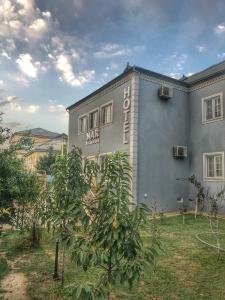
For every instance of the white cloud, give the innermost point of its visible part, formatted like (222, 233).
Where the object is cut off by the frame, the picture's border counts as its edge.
(201, 48)
(175, 75)
(5, 54)
(112, 50)
(116, 50)
(63, 64)
(220, 28)
(20, 79)
(31, 109)
(179, 60)
(112, 66)
(221, 55)
(46, 14)
(1, 81)
(5, 100)
(189, 74)
(27, 66)
(57, 108)
(38, 28)
(20, 19)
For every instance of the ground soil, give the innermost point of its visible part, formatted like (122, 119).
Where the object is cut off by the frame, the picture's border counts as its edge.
(15, 283)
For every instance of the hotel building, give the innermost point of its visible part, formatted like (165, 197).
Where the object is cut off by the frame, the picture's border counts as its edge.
(170, 128)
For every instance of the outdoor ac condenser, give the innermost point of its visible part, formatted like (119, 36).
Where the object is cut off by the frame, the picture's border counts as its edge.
(179, 152)
(165, 92)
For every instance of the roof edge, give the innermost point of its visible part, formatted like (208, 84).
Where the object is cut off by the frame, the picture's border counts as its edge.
(128, 70)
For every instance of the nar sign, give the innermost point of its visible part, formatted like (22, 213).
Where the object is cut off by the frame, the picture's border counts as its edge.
(126, 112)
(92, 137)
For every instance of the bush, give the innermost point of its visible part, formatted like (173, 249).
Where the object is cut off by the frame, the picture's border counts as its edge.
(20, 241)
(4, 268)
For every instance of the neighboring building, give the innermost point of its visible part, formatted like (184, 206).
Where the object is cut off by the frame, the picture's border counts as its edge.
(170, 128)
(43, 140)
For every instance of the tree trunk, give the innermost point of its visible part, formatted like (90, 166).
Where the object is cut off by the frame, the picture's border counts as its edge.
(56, 266)
(183, 218)
(22, 217)
(196, 207)
(63, 266)
(34, 240)
(109, 274)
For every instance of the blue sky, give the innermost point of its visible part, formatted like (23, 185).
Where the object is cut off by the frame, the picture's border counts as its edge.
(54, 52)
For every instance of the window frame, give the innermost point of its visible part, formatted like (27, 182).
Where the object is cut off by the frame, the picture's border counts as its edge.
(89, 118)
(102, 154)
(91, 158)
(101, 107)
(214, 119)
(80, 117)
(214, 178)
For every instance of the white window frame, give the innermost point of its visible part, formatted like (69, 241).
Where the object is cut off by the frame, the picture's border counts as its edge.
(214, 119)
(102, 106)
(102, 154)
(89, 118)
(92, 158)
(215, 178)
(80, 117)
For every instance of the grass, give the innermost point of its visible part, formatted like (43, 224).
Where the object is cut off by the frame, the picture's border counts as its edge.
(186, 269)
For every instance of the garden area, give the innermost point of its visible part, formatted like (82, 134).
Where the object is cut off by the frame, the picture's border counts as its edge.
(80, 236)
(185, 269)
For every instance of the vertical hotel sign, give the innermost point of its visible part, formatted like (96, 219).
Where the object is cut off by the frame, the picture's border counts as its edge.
(126, 112)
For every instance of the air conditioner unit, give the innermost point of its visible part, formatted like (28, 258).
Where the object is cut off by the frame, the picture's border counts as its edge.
(165, 92)
(179, 152)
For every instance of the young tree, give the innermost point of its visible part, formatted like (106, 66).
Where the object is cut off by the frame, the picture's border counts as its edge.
(200, 195)
(113, 241)
(65, 207)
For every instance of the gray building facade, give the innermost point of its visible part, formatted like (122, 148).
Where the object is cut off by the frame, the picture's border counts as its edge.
(170, 128)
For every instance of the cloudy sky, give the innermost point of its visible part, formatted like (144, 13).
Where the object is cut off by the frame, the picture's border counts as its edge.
(54, 52)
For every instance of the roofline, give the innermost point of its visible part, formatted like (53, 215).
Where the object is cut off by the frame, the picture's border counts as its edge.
(205, 78)
(202, 71)
(136, 69)
(114, 80)
(128, 71)
(39, 135)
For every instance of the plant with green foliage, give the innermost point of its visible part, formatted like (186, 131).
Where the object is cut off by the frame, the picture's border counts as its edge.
(12, 169)
(5, 132)
(113, 241)
(46, 162)
(64, 205)
(201, 194)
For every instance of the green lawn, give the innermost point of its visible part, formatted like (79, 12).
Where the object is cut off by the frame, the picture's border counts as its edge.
(186, 269)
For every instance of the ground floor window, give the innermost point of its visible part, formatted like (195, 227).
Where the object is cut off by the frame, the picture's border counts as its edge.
(213, 165)
(102, 159)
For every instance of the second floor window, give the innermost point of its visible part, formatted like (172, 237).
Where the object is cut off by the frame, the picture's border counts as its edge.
(83, 124)
(106, 114)
(94, 119)
(212, 108)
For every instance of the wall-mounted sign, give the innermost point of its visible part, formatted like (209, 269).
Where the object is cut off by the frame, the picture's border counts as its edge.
(126, 111)
(92, 137)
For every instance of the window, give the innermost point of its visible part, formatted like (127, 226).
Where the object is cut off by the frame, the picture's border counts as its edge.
(106, 114)
(102, 160)
(213, 166)
(212, 108)
(83, 122)
(94, 119)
